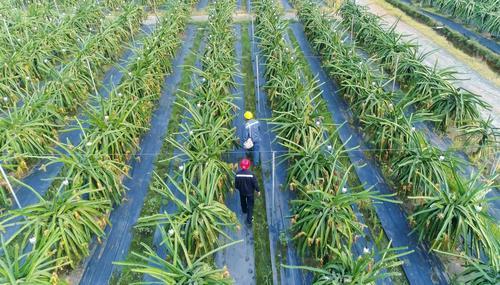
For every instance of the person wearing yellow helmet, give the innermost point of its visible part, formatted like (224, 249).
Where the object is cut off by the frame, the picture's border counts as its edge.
(248, 115)
(251, 137)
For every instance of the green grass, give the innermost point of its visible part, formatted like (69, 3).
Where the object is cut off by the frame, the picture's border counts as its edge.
(153, 199)
(260, 227)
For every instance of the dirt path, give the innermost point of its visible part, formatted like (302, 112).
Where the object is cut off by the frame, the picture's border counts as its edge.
(487, 84)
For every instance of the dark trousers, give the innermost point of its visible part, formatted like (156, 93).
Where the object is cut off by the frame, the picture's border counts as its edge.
(247, 206)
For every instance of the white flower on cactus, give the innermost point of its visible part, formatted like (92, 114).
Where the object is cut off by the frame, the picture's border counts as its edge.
(45, 60)
(63, 50)
(106, 118)
(441, 157)
(5, 99)
(318, 123)
(120, 94)
(65, 182)
(198, 105)
(413, 129)
(88, 144)
(130, 74)
(329, 147)
(181, 167)
(479, 208)
(344, 190)
(28, 78)
(33, 240)
(366, 250)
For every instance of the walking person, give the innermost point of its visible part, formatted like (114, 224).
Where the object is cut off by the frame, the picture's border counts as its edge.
(246, 183)
(252, 137)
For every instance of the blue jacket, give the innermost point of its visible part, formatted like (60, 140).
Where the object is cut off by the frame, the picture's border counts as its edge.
(246, 182)
(252, 131)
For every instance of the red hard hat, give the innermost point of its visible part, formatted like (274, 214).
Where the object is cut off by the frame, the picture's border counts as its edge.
(245, 164)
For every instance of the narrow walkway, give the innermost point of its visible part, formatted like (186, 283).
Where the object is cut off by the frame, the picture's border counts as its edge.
(240, 259)
(277, 194)
(99, 266)
(421, 267)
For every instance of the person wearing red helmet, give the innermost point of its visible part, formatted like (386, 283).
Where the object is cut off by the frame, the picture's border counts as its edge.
(246, 183)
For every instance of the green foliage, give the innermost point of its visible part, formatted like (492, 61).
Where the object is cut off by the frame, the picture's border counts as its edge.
(482, 138)
(69, 217)
(323, 215)
(418, 163)
(180, 267)
(433, 87)
(346, 268)
(35, 265)
(201, 218)
(455, 218)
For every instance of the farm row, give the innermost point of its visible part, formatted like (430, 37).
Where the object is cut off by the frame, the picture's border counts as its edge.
(356, 161)
(74, 210)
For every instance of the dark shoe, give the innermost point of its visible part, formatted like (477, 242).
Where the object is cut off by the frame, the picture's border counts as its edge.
(249, 223)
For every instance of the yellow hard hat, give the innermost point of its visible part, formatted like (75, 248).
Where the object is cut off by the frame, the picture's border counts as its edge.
(248, 115)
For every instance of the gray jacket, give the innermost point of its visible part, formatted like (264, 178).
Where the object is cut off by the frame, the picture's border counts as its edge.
(252, 130)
